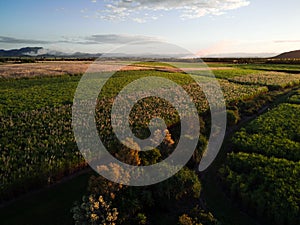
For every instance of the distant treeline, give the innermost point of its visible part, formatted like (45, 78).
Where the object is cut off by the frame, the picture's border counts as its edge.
(30, 59)
(254, 60)
(41, 59)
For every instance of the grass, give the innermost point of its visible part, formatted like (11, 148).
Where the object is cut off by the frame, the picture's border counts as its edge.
(225, 73)
(50, 206)
(199, 65)
(188, 64)
(230, 73)
(29, 94)
(272, 67)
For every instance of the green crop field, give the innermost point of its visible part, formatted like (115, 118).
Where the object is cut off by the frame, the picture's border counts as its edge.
(273, 67)
(262, 173)
(37, 113)
(38, 147)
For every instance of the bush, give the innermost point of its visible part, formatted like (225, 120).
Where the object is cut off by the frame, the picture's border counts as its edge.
(197, 216)
(94, 211)
(141, 219)
(233, 117)
(185, 220)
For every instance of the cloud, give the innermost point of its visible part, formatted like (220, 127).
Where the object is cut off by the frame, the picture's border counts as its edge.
(188, 9)
(85, 10)
(88, 40)
(287, 41)
(10, 40)
(60, 9)
(117, 39)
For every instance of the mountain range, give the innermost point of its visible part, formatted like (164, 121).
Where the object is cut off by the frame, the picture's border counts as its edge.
(41, 52)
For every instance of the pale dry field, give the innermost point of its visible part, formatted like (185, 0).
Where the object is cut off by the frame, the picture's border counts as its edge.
(57, 68)
(54, 68)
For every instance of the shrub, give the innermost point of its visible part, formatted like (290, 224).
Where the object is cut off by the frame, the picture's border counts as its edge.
(233, 117)
(94, 211)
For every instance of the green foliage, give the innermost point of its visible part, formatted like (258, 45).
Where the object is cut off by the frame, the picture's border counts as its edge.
(295, 97)
(154, 65)
(150, 157)
(263, 172)
(141, 219)
(132, 201)
(269, 187)
(30, 94)
(37, 148)
(36, 114)
(282, 121)
(274, 80)
(267, 144)
(94, 211)
(203, 217)
(233, 117)
(27, 60)
(197, 216)
(185, 220)
(272, 67)
(197, 155)
(252, 106)
(232, 72)
(183, 184)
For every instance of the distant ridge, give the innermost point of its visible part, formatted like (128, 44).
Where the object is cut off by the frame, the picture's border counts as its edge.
(289, 55)
(47, 53)
(41, 52)
(241, 55)
(19, 52)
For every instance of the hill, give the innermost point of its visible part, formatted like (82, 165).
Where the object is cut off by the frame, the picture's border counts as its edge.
(289, 55)
(41, 52)
(19, 52)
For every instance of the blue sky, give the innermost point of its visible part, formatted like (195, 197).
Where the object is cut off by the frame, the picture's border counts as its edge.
(204, 27)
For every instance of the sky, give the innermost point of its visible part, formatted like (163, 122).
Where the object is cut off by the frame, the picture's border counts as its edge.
(203, 27)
